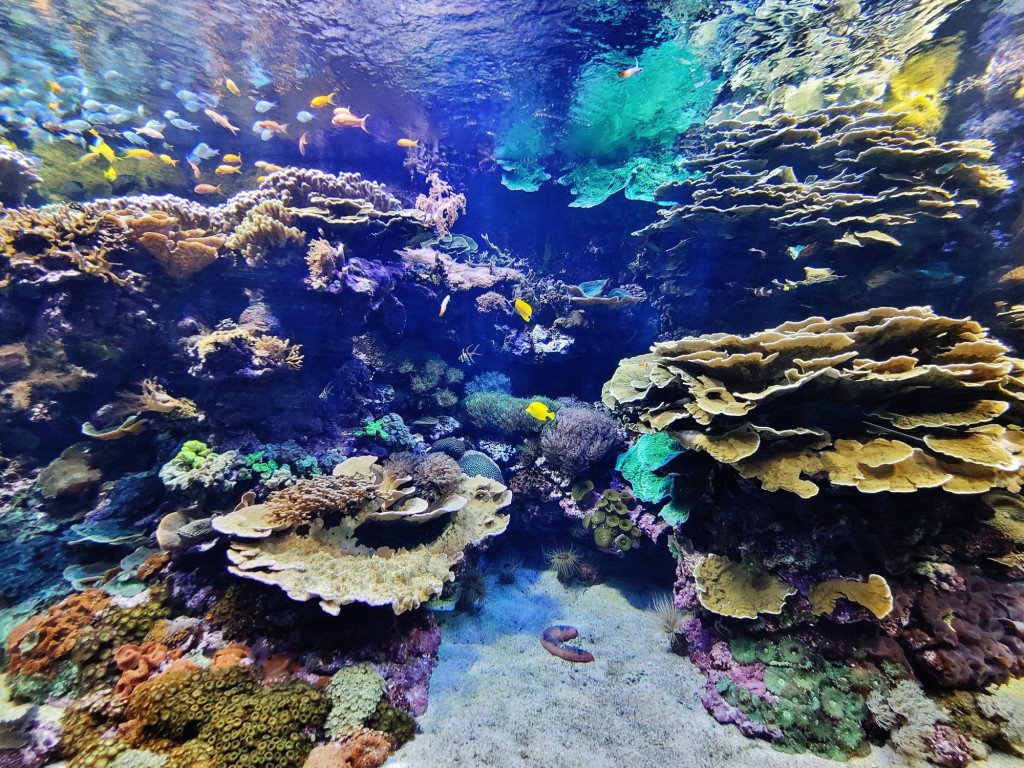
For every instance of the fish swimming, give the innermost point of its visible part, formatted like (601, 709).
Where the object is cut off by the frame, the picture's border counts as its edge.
(408, 143)
(318, 102)
(193, 106)
(224, 170)
(263, 106)
(184, 95)
(111, 75)
(232, 158)
(183, 125)
(636, 69)
(220, 120)
(230, 85)
(195, 170)
(134, 138)
(152, 133)
(139, 154)
(110, 174)
(268, 167)
(539, 411)
(167, 160)
(444, 305)
(304, 116)
(91, 105)
(204, 151)
(76, 126)
(522, 309)
(207, 189)
(344, 118)
(266, 135)
(273, 126)
(170, 114)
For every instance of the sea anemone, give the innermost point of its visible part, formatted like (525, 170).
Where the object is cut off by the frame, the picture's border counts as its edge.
(564, 561)
(665, 614)
(472, 590)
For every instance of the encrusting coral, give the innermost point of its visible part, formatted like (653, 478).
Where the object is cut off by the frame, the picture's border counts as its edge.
(332, 560)
(941, 391)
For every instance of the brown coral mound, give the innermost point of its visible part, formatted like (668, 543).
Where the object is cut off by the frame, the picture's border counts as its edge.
(137, 664)
(805, 402)
(331, 539)
(182, 252)
(38, 645)
(361, 748)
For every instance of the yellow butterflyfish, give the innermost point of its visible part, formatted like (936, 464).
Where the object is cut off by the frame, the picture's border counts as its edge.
(539, 411)
(322, 101)
(522, 309)
(110, 174)
(141, 154)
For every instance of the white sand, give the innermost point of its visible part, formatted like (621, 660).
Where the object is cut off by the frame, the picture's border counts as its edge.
(497, 698)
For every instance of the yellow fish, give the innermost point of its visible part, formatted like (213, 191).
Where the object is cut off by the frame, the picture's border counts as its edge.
(268, 167)
(539, 411)
(230, 85)
(54, 87)
(8, 143)
(101, 148)
(322, 101)
(522, 309)
(54, 106)
(110, 174)
(167, 160)
(232, 158)
(224, 170)
(408, 143)
(141, 154)
(1020, 92)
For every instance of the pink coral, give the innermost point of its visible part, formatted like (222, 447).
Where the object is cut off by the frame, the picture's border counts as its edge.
(440, 206)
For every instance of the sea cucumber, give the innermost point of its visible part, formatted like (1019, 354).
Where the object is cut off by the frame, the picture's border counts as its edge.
(552, 639)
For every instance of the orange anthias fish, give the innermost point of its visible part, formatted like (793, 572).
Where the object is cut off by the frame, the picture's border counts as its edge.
(230, 85)
(630, 71)
(318, 102)
(207, 189)
(195, 170)
(220, 120)
(407, 143)
(274, 127)
(303, 142)
(343, 118)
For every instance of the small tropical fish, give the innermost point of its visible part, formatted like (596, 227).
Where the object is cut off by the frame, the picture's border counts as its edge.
(444, 305)
(152, 133)
(86, 159)
(343, 118)
(224, 170)
(207, 189)
(630, 71)
(262, 106)
(183, 125)
(170, 114)
(318, 102)
(184, 95)
(268, 167)
(220, 120)
(303, 142)
(274, 127)
(134, 138)
(53, 105)
(111, 75)
(304, 116)
(76, 126)
(195, 170)
(55, 87)
(192, 106)
(522, 309)
(539, 411)
(110, 174)
(326, 391)
(91, 105)
(232, 158)
(167, 160)
(469, 353)
(204, 151)
(101, 148)
(141, 154)
(408, 143)
(230, 85)
(266, 135)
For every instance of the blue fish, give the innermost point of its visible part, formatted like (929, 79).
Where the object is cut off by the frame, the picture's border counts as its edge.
(76, 126)
(70, 81)
(204, 151)
(170, 114)
(208, 99)
(111, 75)
(184, 95)
(266, 135)
(91, 105)
(113, 109)
(264, 106)
(304, 116)
(184, 125)
(193, 106)
(6, 93)
(98, 118)
(135, 139)
(28, 93)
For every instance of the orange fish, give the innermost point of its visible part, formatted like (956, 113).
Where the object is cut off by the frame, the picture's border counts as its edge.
(232, 158)
(274, 127)
(195, 170)
(302, 143)
(630, 71)
(322, 101)
(207, 189)
(407, 143)
(220, 120)
(343, 118)
(230, 85)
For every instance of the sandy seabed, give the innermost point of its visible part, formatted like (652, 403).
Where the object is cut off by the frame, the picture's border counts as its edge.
(497, 698)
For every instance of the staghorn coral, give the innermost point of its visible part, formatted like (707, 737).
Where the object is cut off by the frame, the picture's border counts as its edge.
(906, 367)
(331, 559)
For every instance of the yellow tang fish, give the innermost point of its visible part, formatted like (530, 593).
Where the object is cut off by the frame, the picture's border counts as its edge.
(230, 85)
(322, 101)
(522, 309)
(408, 143)
(141, 154)
(539, 411)
(110, 174)
(167, 160)
(232, 158)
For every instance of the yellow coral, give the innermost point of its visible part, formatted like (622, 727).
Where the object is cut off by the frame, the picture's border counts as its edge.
(916, 89)
(731, 589)
(874, 594)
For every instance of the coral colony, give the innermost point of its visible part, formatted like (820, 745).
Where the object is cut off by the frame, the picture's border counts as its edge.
(267, 425)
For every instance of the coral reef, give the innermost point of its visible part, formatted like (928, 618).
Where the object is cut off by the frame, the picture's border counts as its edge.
(17, 176)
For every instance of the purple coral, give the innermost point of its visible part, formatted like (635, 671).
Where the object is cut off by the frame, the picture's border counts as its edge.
(580, 438)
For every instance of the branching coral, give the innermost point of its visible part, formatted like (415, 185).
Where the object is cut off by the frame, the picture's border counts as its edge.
(950, 387)
(440, 206)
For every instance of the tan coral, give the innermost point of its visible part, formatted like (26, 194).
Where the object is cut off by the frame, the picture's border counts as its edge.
(264, 226)
(874, 594)
(730, 589)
